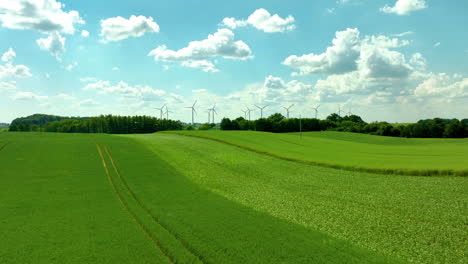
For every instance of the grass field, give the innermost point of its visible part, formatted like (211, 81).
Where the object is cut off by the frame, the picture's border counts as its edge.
(354, 151)
(166, 198)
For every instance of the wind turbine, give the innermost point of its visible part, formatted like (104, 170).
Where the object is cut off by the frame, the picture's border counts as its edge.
(245, 113)
(316, 110)
(287, 110)
(167, 113)
(161, 111)
(261, 109)
(193, 111)
(339, 110)
(213, 112)
(248, 111)
(209, 114)
(349, 113)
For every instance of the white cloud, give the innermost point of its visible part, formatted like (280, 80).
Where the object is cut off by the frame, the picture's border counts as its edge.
(119, 28)
(437, 44)
(54, 43)
(443, 85)
(261, 19)
(339, 58)
(88, 103)
(85, 33)
(124, 90)
(404, 7)
(46, 16)
(28, 96)
(404, 34)
(64, 97)
(9, 56)
(203, 65)
(197, 53)
(115, 69)
(418, 61)
(70, 67)
(7, 86)
(12, 71)
(88, 79)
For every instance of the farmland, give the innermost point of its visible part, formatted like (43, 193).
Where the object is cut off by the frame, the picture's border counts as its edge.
(168, 198)
(354, 151)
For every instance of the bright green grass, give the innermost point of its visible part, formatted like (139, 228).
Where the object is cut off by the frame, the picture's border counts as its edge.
(355, 151)
(418, 219)
(58, 205)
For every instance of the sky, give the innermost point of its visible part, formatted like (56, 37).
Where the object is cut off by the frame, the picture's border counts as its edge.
(385, 60)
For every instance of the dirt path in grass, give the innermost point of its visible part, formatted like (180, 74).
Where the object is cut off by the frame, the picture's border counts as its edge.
(125, 205)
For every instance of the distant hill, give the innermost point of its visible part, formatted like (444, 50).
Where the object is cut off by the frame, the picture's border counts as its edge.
(3, 125)
(40, 119)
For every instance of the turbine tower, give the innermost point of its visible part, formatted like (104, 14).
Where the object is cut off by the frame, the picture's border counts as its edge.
(245, 113)
(316, 110)
(248, 111)
(209, 114)
(167, 113)
(287, 110)
(161, 111)
(261, 109)
(213, 112)
(350, 113)
(193, 111)
(339, 110)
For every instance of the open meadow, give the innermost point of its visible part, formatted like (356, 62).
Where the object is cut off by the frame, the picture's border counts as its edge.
(167, 198)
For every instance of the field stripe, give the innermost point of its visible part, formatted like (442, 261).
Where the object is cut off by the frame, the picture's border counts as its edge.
(394, 171)
(146, 209)
(125, 205)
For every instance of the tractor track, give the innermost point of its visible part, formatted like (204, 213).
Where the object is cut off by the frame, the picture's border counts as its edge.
(125, 205)
(148, 211)
(4, 145)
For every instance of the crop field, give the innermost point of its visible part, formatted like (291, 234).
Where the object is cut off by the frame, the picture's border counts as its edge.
(168, 198)
(360, 152)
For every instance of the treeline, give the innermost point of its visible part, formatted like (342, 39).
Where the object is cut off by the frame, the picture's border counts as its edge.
(41, 119)
(277, 123)
(109, 124)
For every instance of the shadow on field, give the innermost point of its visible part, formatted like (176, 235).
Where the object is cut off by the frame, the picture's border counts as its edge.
(218, 230)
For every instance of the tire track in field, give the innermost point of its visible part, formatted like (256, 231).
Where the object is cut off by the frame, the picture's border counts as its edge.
(125, 205)
(4, 145)
(148, 211)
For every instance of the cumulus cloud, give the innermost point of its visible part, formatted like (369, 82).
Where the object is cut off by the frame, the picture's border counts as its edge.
(119, 28)
(28, 96)
(64, 97)
(404, 7)
(54, 44)
(46, 16)
(9, 56)
(443, 85)
(125, 90)
(85, 33)
(203, 65)
(261, 19)
(339, 58)
(13, 71)
(197, 53)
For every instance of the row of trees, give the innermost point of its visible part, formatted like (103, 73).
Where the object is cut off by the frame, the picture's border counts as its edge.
(103, 124)
(277, 123)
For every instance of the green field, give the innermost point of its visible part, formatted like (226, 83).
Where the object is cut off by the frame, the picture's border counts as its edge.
(354, 151)
(167, 198)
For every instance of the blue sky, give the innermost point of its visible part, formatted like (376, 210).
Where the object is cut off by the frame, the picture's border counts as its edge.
(391, 60)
